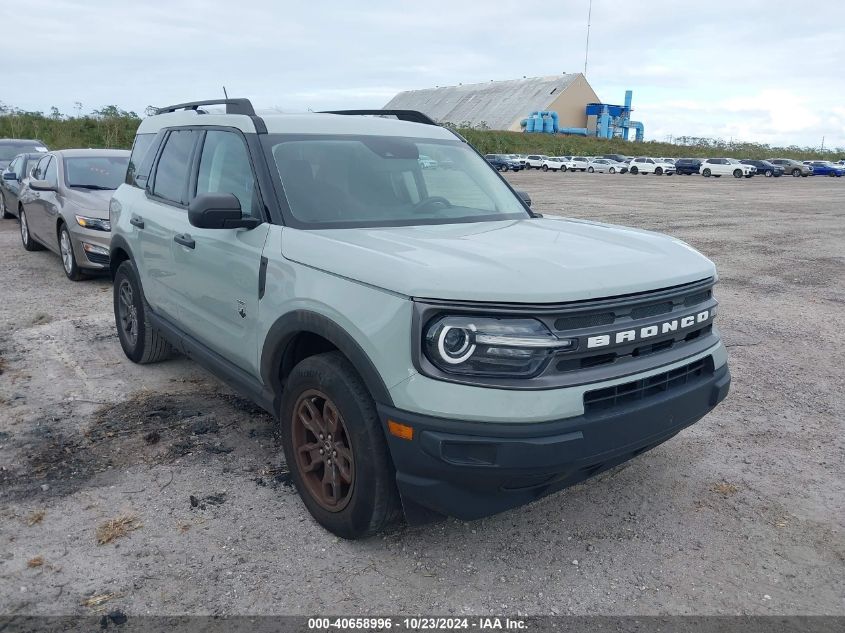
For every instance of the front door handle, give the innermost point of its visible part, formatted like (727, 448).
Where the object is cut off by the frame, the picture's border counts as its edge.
(185, 240)
(137, 221)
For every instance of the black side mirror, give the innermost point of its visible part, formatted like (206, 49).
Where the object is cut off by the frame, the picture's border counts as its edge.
(9, 175)
(525, 197)
(219, 211)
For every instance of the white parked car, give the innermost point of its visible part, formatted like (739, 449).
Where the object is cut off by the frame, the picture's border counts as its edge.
(607, 165)
(726, 167)
(535, 161)
(578, 163)
(554, 163)
(646, 165)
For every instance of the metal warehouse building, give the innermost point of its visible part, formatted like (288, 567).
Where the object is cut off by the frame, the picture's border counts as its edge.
(501, 105)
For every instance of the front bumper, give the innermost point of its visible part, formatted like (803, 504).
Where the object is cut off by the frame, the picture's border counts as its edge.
(469, 470)
(96, 256)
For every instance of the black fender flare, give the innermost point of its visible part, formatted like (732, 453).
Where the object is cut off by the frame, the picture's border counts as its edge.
(289, 325)
(118, 242)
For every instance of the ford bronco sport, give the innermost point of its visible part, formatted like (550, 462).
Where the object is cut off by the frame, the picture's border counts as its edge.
(392, 318)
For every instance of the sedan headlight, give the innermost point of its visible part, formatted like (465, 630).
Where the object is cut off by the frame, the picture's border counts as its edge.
(96, 224)
(485, 346)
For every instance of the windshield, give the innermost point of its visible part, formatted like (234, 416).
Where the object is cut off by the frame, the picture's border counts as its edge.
(96, 172)
(356, 181)
(9, 150)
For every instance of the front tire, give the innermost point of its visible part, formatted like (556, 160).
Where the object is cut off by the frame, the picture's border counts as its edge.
(737, 173)
(28, 242)
(590, 169)
(72, 270)
(796, 172)
(335, 448)
(505, 167)
(140, 341)
(3, 210)
(612, 170)
(658, 171)
(545, 168)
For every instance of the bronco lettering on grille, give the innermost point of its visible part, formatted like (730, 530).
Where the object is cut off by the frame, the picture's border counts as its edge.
(629, 336)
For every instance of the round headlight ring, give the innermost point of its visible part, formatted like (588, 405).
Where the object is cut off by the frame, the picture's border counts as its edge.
(466, 350)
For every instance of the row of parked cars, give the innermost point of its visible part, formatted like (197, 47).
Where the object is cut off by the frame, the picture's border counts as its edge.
(707, 167)
(61, 199)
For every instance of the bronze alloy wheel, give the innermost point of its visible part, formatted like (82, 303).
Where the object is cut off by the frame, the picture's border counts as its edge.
(323, 450)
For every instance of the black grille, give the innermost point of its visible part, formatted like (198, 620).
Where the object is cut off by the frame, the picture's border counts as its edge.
(611, 397)
(699, 297)
(97, 258)
(652, 310)
(586, 320)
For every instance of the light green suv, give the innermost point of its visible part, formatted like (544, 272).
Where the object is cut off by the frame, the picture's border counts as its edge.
(428, 344)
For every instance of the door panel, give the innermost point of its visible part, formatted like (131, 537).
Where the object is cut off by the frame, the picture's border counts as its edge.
(163, 214)
(218, 277)
(218, 290)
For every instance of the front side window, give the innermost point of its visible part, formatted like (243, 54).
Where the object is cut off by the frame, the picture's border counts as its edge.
(96, 172)
(51, 175)
(346, 181)
(225, 168)
(38, 172)
(15, 166)
(171, 176)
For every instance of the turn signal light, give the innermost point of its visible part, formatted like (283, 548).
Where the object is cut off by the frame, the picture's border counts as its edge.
(402, 431)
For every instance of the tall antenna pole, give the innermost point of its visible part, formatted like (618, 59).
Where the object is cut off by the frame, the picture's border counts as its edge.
(587, 48)
(225, 94)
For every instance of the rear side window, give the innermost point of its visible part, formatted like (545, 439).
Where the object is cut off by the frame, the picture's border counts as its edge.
(138, 171)
(171, 175)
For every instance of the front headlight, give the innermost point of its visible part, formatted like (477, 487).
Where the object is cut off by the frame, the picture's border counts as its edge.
(485, 346)
(96, 224)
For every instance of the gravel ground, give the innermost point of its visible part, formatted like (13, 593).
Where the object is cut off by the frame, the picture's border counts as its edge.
(742, 513)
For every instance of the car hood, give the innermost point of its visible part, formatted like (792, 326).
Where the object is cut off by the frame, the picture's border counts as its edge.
(91, 202)
(544, 260)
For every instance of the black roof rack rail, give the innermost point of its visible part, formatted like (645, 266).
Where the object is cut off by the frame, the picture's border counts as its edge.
(403, 115)
(233, 106)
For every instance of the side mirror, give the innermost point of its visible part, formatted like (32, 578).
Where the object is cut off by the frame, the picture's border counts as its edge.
(41, 185)
(525, 197)
(9, 175)
(219, 211)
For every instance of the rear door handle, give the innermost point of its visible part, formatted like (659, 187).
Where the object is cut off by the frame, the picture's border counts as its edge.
(137, 221)
(185, 240)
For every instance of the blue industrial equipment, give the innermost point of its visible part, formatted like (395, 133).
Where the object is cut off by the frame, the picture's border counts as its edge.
(610, 121)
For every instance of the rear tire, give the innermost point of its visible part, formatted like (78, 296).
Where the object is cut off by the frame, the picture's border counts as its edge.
(140, 341)
(26, 237)
(545, 168)
(796, 172)
(505, 167)
(768, 173)
(328, 418)
(706, 173)
(635, 170)
(590, 169)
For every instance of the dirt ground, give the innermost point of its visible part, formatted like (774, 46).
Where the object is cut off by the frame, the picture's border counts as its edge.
(742, 513)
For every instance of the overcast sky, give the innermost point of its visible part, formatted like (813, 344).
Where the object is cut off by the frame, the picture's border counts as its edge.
(761, 70)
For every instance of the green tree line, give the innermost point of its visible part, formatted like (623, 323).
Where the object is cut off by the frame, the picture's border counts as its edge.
(113, 127)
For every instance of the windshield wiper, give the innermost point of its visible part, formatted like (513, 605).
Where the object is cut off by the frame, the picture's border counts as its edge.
(93, 187)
